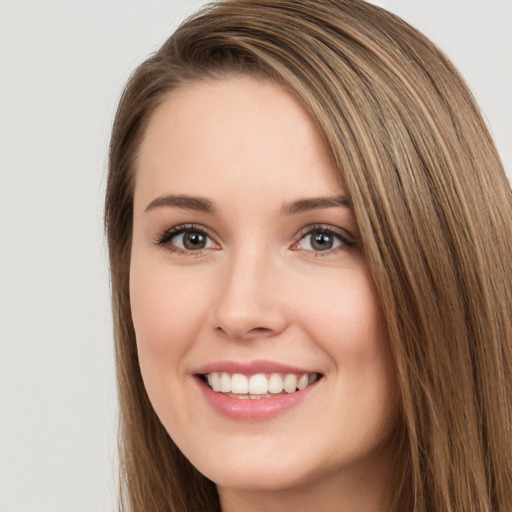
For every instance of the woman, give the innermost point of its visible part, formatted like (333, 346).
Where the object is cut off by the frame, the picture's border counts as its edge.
(309, 232)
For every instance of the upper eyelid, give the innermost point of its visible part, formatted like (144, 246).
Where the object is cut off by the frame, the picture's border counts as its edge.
(169, 233)
(342, 233)
(179, 228)
(173, 231)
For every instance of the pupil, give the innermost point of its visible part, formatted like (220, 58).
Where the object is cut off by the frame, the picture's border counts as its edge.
(321, 241)
(193, 240)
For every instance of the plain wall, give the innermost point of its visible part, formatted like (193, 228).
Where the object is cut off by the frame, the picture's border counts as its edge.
(62, 67)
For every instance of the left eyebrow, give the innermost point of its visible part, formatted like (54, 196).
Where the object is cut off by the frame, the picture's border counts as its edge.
(315, 203)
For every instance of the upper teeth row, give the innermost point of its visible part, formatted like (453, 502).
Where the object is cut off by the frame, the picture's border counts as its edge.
(260, 383)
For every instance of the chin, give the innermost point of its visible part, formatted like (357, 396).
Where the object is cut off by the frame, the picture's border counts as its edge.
(258, 478)
(254, 464)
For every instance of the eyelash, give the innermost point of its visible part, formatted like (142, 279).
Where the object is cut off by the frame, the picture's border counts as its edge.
(165, 239)
(346, 241)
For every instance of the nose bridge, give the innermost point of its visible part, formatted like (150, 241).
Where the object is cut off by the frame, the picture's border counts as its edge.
(248, 302)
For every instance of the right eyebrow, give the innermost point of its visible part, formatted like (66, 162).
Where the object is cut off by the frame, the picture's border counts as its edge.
(198, 204)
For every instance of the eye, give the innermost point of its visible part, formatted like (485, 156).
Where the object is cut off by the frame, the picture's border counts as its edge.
(322, 239)
(186, 239)
(191, 240)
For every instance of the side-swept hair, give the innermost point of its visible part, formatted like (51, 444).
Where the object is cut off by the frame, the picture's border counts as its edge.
(434, 209)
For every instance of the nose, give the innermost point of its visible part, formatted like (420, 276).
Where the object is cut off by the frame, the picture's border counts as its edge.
(250, 303)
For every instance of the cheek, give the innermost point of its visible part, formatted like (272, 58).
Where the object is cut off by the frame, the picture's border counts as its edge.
(344, 316)
(166, 314)
(346, 321)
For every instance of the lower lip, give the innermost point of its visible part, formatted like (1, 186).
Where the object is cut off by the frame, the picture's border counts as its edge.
(253, 409)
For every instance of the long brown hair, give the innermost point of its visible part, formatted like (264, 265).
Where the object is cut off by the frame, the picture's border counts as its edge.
(435, 214)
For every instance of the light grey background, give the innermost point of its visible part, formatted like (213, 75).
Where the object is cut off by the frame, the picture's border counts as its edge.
(62, 66)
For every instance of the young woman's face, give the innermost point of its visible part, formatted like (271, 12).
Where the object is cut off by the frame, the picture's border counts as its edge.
(247, 272)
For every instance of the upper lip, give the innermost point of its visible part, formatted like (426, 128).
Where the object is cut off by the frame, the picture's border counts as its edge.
(250, 367)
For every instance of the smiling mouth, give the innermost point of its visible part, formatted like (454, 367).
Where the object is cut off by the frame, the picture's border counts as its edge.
(259, 385)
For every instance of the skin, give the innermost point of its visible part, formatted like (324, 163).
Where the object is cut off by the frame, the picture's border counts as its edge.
(259, 290)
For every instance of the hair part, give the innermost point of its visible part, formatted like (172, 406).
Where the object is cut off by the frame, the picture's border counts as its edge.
(433, 207)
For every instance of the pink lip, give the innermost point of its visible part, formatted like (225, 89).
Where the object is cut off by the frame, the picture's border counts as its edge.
(250, 367)
(251, 409)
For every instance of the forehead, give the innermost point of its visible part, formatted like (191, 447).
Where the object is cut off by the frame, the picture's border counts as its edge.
(232, 134)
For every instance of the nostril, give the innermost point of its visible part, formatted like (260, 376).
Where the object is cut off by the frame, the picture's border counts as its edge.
(243, 334)
(259, 330)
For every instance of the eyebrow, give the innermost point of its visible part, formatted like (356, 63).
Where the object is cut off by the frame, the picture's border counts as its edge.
(198, 204)
(315, 203)
(201, 204)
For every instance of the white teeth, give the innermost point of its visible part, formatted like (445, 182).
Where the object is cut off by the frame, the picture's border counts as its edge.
(225, 382)
(215, 381)
(290, 383)
(275, 383)
(259, 385)
(239, 384)
(303, 381)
